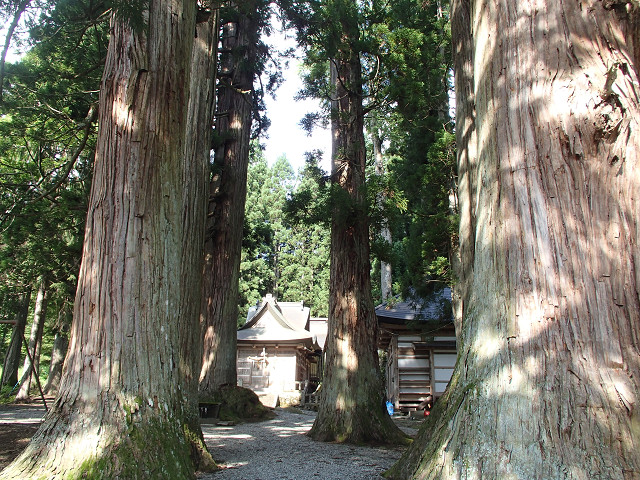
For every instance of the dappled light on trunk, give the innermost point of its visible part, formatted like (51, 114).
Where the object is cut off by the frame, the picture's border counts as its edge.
(351, 405)
(227, 196)
(546, 385)
(126, 406)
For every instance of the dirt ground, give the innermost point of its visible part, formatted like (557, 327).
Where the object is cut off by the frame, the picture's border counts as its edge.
(13, 439)
(18, 423)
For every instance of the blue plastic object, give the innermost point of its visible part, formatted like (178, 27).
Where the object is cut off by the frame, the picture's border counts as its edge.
(390, 408)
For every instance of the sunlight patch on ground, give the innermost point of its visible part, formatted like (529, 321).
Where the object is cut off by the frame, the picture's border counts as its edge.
(231, 465)
(224, 433)
(31, 415)
(288, 431)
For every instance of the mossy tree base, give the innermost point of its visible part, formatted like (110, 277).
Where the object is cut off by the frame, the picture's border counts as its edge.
(359, 426)
(200, 456)
(81, 446)
(238, 404)
(547, 382)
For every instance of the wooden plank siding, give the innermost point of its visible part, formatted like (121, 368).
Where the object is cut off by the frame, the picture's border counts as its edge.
(414, 373)
(443, 364)
(393, 393)
(418, 336)
(416, 369)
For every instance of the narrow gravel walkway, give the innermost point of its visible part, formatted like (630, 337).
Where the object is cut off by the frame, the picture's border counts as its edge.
(278, 449)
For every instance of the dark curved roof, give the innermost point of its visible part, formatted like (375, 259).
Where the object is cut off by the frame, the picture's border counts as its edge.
(278, 322)
(434, 308)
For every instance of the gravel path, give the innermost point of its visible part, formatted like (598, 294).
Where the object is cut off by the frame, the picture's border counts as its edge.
(278, 449)
(31, 414)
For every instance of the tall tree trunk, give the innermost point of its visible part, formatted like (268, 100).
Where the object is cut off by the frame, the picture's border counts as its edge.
(547, 383)
(129, 379)
(12, 358)
(386, 280)
(466, 140)
(351, 405)
(60, 346)
(59, 351)
(228, 191)
(198, 151)
(35, 341)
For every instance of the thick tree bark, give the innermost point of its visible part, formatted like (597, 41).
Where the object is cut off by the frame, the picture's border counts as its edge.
(198, 150)
(351, 405)
(129, 378)
(462, 259)
(228, 191)
(12, 357)
(547, 383)
(35, 342)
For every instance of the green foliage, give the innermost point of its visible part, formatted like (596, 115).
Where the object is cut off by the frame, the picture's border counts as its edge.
(311, 203)
(413, 116)
(423, 235)
(404, 49)
(262, 226)
(305, 256)
(132, 12)
(7, 395)
(47, 143)
(279, 257)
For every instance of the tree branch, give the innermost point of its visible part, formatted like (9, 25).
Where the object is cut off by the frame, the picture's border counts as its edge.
(7, 42)
(72, 157)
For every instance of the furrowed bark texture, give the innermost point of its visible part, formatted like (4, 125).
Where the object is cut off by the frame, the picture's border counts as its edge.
(547, 383)
(124, 399)
(228, 192)
(351, 405)
(198, 147)
(12, 357)
(467, 157)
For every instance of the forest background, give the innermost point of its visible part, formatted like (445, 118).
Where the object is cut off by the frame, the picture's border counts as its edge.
(48, 124)
(546, 290)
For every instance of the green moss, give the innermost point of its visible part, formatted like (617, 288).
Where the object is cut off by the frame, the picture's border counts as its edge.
(199, 452)
(127, 415)
(131, 408)
(150, 452)
(147, 450)
(239, 404)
